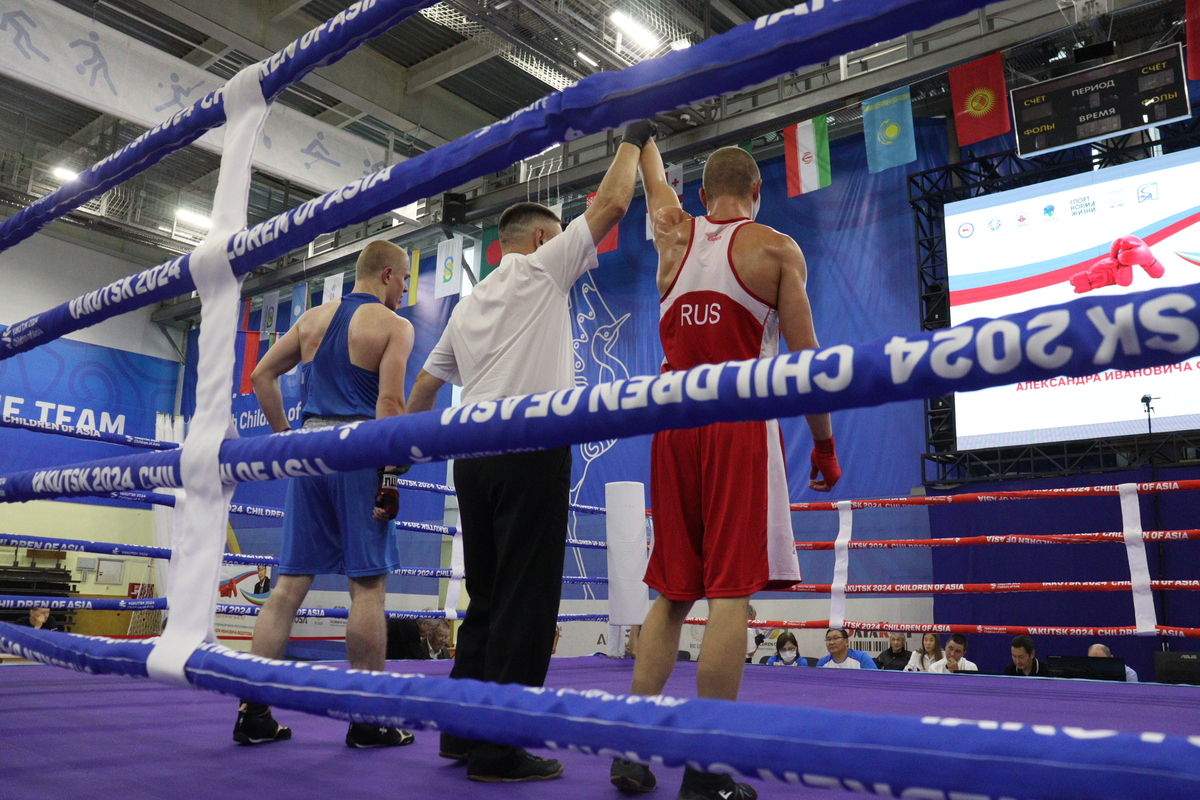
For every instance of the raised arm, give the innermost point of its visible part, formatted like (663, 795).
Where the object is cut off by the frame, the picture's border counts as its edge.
(662, 203)
(796, 324)
(279, 359)
(616, 189)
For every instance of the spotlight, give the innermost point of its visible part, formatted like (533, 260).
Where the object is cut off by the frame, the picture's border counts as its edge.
(635, 30)
(64, 174)
(680, 44)
(192, 218)
(585, 58)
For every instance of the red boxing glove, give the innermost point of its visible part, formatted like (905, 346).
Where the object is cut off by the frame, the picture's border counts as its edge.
(824, 462)
(1132, 251)
(1104, 272)
(387, 496)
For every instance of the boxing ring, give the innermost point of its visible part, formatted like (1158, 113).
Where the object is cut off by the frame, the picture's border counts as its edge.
(924, 736)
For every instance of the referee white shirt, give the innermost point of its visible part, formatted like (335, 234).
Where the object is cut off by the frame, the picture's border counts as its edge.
(512, 334)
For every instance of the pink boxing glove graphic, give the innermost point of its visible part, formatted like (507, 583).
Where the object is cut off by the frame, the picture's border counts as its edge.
(1132, 251)
(1104, 272)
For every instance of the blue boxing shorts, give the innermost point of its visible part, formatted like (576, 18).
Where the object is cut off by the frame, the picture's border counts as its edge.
(328, 529)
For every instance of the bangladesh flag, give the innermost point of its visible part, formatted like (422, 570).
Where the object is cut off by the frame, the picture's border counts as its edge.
(806, 156)
(491, 251)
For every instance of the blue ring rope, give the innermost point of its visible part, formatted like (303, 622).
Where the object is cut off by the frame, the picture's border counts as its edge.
(90, 434)
(745, 56)
(1151, 330)
(12, 601)
(830, 748)
(324, 45)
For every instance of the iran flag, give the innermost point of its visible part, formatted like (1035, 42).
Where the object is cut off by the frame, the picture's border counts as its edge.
(806, 155)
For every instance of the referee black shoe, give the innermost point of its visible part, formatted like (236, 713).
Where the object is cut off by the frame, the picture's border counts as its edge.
(360, 735)
(255, 725)
(631, 777)
(500, 764)
(707, 786)
(454, 747)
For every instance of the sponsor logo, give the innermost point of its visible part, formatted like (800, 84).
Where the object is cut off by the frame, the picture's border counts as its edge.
(1147, 192)
(966, 230)
(1048, 212)
(1081, 206)
(994, 224)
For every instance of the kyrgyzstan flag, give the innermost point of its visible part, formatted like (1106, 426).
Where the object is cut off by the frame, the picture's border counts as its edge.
(1193, 40)
(980, 96)
(806, 156)
(610, 242)
(491, 251)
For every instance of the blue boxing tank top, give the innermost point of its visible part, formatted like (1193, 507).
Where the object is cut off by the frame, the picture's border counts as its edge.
(333, 386)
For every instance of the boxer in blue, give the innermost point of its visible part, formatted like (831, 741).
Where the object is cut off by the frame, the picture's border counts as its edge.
(353, 353)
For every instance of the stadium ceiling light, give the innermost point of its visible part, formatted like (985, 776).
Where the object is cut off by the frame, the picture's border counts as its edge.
(64, 174)
(680, 44)
(639, 33)
(192, 218)
(585, 58)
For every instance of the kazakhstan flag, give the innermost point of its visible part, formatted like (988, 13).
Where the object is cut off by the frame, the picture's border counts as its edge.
(888, 126)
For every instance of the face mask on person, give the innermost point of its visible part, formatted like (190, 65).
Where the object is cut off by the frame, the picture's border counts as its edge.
(787, 656)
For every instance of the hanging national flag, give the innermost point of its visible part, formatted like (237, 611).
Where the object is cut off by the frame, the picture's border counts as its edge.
(333, 287)
(747, 145)
(980, 97)
(245, 325)
(299, 302)
(674, 176)
(1193, 39)
(806, 156)
(448, 270)
(611, 241)
(888, 126)
(249, 340)
(415, 261)
(491, 251)
(270, 312)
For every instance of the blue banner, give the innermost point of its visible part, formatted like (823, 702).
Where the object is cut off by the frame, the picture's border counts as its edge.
(928, 756)
(888, 127)
(1151, 330)
(745, 56)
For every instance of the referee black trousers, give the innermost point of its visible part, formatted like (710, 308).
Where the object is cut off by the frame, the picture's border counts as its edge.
(513, 511)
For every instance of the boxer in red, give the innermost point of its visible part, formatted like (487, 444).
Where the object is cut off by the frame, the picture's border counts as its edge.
(722, 526)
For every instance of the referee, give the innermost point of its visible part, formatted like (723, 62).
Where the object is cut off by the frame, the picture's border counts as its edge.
(512, 336)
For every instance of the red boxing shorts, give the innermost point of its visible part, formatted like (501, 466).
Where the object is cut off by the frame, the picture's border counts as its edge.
(722, 522)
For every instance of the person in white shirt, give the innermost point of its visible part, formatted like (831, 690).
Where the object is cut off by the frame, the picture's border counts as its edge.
(1102, 651)
(927, 656)
(955, 660)
(512, 336)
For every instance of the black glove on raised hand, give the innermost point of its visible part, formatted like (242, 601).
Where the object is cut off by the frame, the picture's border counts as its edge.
(640, 132)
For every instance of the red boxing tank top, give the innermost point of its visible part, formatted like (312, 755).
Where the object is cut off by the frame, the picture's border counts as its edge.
(708, 315)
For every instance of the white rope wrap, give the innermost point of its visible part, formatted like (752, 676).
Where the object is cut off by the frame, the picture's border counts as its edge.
(841, 564)
(1145, 617)
(199, 536)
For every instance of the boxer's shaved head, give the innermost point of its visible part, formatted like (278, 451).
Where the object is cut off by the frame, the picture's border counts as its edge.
(378, 256)
(730, 171)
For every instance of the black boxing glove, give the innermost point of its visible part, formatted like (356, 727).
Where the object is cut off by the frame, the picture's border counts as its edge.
(387, 496)
(640, 132)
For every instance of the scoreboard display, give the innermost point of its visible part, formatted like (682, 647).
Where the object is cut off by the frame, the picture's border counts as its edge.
(1125, 96)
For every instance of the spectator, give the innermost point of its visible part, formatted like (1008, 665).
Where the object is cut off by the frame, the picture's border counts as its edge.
(40, 618)
(435, 639)
(787, 652)
(754, 637)
(897, 655)
(1102, 651)
(929, 654)
(955, 660)
(1024, 662)
(841, 656)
